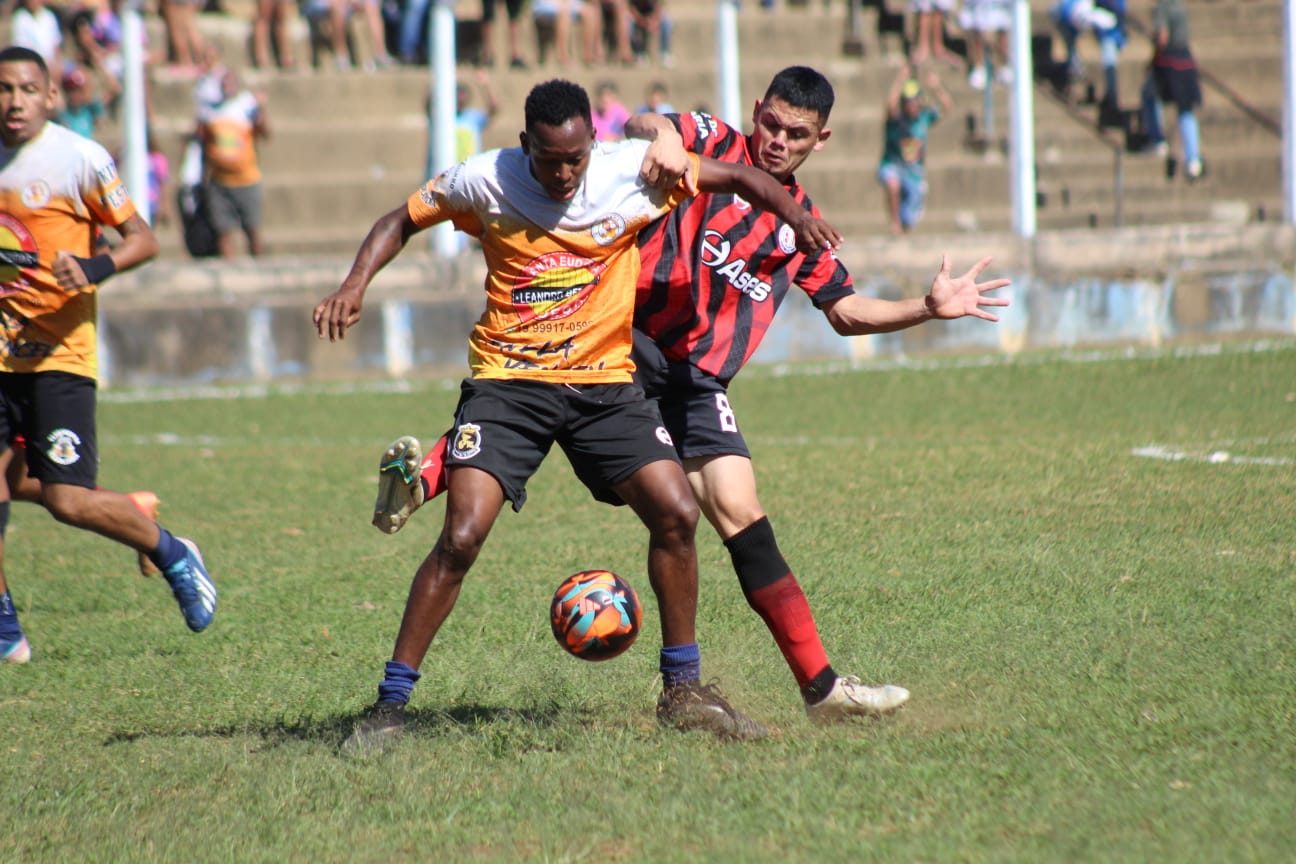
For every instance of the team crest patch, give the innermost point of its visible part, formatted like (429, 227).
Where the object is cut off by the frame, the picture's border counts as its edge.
(665, 437)
(63, 447)
(36, 195)
(787, 239)
(467, 441)
(608, 230)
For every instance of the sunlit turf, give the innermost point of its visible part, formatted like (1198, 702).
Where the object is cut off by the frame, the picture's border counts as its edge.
(1099, 643)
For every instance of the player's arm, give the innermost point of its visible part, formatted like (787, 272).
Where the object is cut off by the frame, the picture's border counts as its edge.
(762, 191)
(139, 244)
(667, 158)
(857, 315)
(942, 96)
(341, 309)
(261, 118)
(903, 73)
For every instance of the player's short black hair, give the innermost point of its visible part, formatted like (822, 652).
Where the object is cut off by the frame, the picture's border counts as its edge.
(803, 87)
(553, 103)
(19, 54)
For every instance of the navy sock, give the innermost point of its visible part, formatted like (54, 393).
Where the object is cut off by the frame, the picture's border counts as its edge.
(169, 550)
(681, 664)
(398, 682)
(10, 631)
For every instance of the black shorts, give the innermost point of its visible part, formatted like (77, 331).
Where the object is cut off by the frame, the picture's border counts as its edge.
(505, 428)
(694, 405)
(55, 413)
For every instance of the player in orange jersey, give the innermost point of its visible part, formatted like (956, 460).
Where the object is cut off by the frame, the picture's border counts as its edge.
(56, 190)
(550, 358)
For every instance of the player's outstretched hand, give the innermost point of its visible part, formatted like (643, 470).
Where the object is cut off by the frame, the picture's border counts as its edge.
(336, 312)
(954, 298)
(814, 234)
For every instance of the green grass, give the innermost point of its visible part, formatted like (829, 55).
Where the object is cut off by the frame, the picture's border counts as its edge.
(1100, 646)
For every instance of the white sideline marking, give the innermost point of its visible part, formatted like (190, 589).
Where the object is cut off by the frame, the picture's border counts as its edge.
(1212, 457)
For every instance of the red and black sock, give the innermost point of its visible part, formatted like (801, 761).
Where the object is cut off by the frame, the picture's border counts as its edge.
(773, 591)
(432, 473)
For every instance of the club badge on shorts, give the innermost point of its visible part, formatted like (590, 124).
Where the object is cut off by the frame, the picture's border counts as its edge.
(63, 447)
(467, 441)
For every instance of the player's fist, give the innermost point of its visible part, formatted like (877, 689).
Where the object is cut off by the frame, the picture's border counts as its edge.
(67, 270)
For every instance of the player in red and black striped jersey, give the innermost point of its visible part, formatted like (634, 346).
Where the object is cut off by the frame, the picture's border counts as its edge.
(714, 273)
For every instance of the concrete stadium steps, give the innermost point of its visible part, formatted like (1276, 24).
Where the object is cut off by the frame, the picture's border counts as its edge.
(348, 146)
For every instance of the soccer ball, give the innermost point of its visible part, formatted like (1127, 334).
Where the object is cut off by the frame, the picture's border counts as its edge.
(595, 615)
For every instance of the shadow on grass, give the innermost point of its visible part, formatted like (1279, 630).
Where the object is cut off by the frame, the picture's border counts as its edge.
(513, 728)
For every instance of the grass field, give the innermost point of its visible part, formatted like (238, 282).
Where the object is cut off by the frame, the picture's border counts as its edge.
(1093, 605)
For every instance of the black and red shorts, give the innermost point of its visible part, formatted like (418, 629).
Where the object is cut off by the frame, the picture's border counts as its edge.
(694, 405)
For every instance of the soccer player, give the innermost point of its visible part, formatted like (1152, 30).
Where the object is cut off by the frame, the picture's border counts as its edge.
(56, 190)
(557, 218)
(714, 273)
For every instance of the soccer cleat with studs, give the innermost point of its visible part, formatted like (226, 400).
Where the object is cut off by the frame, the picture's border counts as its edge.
(694, 706)
(383, 723)
(400, 491)
(192, 587)
(850, 698)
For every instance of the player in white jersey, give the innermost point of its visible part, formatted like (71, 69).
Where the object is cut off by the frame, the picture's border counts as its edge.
(56, 190)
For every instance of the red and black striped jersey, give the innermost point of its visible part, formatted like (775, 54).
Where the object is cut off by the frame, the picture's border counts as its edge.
(715, 270)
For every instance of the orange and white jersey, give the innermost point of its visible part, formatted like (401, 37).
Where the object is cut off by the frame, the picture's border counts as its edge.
(230, 146)
(560, 284)
(55, 192)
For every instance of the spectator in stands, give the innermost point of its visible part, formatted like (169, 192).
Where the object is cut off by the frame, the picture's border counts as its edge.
(929, 31)
(1172, 77)
(514, 10)
(271, 40)
(411, 41)
(159, 181)
(1106, 20)
(330, 20)
(209, 89)
(181, 20)
(553, 19)
(615, 31)
(649, 21)
(986, 23)
(84, 100)
(903, 168)
(229, 133)
(609, 114)
(470, 121)
(94, 38)
(657, 101)
(34, 25)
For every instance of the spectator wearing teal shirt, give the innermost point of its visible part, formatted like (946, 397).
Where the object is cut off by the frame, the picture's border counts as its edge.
(902, 171)
(82, 108)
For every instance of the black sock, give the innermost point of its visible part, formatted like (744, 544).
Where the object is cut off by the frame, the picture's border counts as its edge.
(820, 686)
